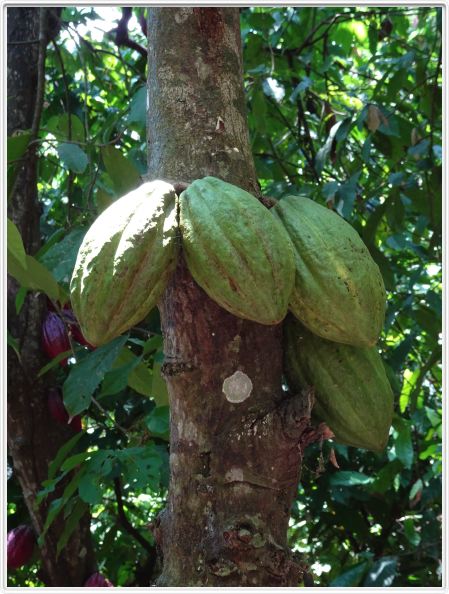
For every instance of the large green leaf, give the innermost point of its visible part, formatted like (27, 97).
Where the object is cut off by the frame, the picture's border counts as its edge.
(382, 573)
(35, 276)
(86, 376)
(121, 170)
(60, 258)
(351, 577)
(15, 244)
(73, 157)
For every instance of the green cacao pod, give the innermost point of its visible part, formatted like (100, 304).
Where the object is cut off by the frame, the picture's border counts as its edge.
(339, 293)
(352, 393)
(125, 262)
(236, 251)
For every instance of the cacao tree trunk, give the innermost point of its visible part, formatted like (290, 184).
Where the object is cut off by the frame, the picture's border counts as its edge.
(234, 466)
(33, 438)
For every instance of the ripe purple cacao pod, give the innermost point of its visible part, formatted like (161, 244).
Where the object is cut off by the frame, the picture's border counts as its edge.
(74, 327)
(97, 580)
(20, 546)
(55, 339)
(58, 411)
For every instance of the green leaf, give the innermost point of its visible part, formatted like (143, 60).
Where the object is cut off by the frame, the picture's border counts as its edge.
(15, 244)
(349, 478)
(54, 508)
(323, 153)
(128, 370)
(385, 477)
(89, 489)
(329, 190)
(141, 466)
(382, 573)
(49, 486)
(403, 442)
(13, 343)
(54, 362)
(416, 488)
(158, 421)
(86, 376)
(122, 172)
(59, 125)
(71, 523)
(140, 379)
(73, 157)
(411, 533)
(35, 276)
(20, 299)
(103, 200)
(372, 38)
(138, 107)
(366, 149)
(300, 88)
(60, 258)
(62, 453)
(75, 460)
(259, 109)
(116, 380)
(17, 145)
(159, 386)
(351, 577)
(155, 343)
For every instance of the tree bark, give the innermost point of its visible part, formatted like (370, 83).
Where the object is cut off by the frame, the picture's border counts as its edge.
(33, 437)
(234, 465)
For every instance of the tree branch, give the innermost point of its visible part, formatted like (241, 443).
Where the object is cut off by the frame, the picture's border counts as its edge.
(127, 524)
(122, 35)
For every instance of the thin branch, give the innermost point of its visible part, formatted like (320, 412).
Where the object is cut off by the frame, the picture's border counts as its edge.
(122, 35)
(281, 163)
(26, 42)
(66, 87)
(105, 412)
(126, 524)
(41, 73)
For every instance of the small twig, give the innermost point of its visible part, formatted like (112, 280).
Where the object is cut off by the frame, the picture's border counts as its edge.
(66, 87)
(122, 35)
(293, 132)
(281, 163)
(78, 142)
(91, 187)
(41, 72)
(26, 42)
(126, 523)
(105, 412)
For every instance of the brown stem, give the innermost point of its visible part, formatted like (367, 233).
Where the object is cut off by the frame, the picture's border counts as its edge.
(126, 524)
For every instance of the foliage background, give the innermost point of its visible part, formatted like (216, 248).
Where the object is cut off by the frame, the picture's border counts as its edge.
(344, 106)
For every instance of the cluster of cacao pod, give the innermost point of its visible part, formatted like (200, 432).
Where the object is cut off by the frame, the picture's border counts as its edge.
(56, 328)
(97, 580)
(58, 412)
(256, 263)
(20, 546)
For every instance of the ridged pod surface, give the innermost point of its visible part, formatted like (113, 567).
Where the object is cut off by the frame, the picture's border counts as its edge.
(353, 394)
(125, 262)
(339, 293)
(97, 580)
(236, 251)
(20, 546)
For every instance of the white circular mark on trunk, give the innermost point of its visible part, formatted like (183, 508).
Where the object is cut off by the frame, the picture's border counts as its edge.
(234, 475)
(182, 15)
(237, 387)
